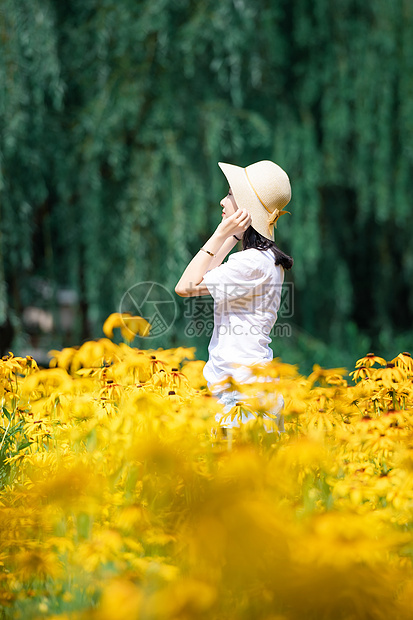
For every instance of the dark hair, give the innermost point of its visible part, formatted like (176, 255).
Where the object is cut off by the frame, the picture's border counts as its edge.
(253, 239)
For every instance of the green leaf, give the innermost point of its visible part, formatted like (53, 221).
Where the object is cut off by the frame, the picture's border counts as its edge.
(24, 445)
(7, 414)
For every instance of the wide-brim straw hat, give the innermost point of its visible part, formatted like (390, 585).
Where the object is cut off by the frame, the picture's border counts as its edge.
(263, 189)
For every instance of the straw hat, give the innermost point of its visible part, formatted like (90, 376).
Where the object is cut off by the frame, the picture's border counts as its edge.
(263, 189)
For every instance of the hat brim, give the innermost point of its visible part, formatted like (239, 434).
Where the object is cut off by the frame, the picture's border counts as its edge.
(246, 198)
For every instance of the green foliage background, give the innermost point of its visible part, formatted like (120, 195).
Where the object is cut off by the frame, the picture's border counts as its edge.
(114, 115)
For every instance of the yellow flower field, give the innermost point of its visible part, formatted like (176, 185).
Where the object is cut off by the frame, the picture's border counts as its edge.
(121, 498)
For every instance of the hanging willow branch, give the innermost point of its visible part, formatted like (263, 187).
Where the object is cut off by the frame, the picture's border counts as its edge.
(116, 113)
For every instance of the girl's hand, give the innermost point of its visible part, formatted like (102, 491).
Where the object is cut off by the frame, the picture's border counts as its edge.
(235, 224)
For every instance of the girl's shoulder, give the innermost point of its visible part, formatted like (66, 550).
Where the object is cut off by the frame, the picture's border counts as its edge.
(249, 254)
(260, 262)
(253, 256)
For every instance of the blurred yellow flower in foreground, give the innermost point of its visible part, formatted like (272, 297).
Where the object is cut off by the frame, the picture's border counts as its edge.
(122, 498)
(121, 600)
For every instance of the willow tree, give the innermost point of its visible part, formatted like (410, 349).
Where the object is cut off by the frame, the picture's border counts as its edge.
(114, 115)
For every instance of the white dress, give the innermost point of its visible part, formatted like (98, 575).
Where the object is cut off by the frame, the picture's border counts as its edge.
(247, 295)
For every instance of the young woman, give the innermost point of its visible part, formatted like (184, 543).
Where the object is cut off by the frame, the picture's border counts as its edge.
(247, 288)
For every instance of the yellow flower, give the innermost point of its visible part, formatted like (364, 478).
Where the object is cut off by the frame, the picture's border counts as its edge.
(18, 365)
(178, 379)
(35, 562)
(391, 376)
(321, 374)
(404, 360)
(336, 379)
(104, 547)
(135, 367)
(62, 358)
(193, 371)
(362, 372)
(184, 598)
(121, 599)
(369, 360)
(45, 382)
(174, 357)
(129, 325)
(275, 369)
(74, 486)
(96, 353)
(236, 413)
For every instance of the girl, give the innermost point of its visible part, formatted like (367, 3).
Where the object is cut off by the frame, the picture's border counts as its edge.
(247, 288)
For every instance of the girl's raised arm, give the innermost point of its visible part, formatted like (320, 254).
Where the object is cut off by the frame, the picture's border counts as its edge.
(212, 254)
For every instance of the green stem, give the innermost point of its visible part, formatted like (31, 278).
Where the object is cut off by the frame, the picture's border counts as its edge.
(4, 436)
